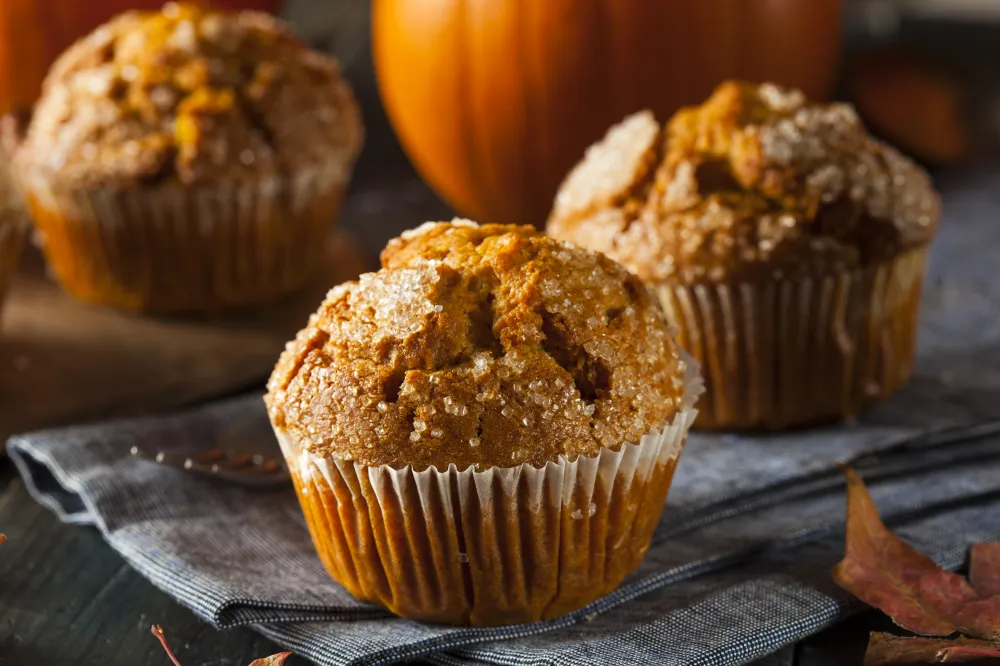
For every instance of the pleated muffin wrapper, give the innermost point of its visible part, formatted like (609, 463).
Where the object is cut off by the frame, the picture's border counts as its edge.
(13, 232)
(493, 547)
(792, 352)
(180, 250)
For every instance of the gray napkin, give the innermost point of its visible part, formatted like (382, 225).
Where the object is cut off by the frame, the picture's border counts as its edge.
(740, 563)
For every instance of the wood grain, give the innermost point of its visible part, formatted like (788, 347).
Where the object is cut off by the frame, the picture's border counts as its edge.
(63, 361)
(67, 598)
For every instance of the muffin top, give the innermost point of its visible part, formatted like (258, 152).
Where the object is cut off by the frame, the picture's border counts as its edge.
(487, 345)
(753, 184)
(190, 95)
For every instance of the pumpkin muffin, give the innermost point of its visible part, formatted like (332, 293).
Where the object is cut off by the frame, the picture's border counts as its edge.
(484, 431)
(786, 244)
(188, 160)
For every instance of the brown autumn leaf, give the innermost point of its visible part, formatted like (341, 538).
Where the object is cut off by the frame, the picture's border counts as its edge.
(273, 660)
(889, 650)
(984, 568)
(3, 537)
(916, 593)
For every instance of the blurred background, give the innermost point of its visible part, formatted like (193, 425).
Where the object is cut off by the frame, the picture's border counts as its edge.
(494, 101)
(923, 74)
(479, 107)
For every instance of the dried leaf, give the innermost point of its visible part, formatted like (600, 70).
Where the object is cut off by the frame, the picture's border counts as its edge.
(3, 537)
(916, 593)
(888, 650)
(984, 568)
(273, 660)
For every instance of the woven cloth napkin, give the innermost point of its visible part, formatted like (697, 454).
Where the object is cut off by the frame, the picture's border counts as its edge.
(739, 566)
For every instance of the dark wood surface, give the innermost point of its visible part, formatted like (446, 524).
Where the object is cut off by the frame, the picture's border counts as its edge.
(66, 598)
(65, 361)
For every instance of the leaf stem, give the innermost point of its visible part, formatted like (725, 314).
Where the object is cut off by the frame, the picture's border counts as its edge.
(158, 632)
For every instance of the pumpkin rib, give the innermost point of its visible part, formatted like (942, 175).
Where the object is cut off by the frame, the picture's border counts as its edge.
(550, 114)
(465, 114)
(527, 173)
(486, 100)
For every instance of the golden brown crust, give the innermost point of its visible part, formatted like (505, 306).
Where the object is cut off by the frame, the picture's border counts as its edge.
(489, 346)
(192, 96)
(755, 183)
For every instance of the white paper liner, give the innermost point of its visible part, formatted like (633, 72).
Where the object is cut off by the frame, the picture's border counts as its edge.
(500, 546)
(177, 249)
(792, 352)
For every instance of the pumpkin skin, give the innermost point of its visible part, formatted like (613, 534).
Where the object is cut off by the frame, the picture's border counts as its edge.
(33, 33)
(495, 100)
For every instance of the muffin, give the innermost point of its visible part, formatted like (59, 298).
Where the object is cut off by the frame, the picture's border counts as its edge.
(484, 431)
(786, 244)
(188, 160)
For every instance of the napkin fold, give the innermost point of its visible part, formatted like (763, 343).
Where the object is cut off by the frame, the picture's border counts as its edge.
(739, 565)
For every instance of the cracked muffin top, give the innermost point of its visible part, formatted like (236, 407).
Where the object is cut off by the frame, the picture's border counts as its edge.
(755, 183)
(190, 95)
(489, 346)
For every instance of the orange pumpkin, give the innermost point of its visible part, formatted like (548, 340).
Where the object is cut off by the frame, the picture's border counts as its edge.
(34, 32)
(494, 100)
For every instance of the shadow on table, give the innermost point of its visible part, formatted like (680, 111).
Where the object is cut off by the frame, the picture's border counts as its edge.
(947, 388)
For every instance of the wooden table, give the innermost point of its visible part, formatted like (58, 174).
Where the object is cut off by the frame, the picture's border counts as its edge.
(67, 598)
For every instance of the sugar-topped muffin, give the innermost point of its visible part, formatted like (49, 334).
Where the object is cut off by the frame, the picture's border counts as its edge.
(500, 358)
(763, 219)
(190, 95)
(754, 183)
(211, 149)
(490, 346)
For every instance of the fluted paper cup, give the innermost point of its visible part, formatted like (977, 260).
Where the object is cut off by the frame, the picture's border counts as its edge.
(793, 352)
(500, 546)
(174, 250)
